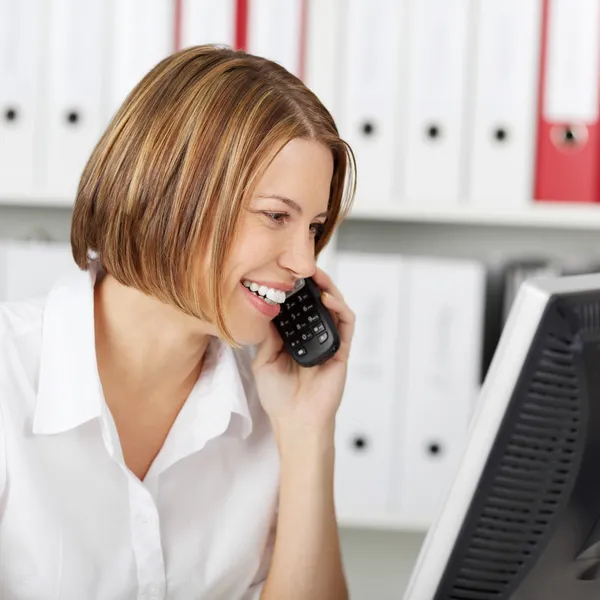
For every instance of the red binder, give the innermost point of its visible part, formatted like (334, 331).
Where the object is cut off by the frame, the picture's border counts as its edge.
(241, 24)
(568, 158)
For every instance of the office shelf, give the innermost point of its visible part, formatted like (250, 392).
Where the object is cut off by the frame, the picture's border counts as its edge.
(552, 215)
(536, 215)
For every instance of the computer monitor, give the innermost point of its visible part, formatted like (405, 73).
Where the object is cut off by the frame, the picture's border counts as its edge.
(521, 520)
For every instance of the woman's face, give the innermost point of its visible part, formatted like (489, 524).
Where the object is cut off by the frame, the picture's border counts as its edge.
(277, 236)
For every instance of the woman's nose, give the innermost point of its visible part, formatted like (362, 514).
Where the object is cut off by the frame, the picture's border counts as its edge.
(299, 256)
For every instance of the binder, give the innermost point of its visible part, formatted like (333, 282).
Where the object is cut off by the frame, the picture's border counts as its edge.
(365, 435)
(29, 270)
(567, 141)
(276, 30)
(142, 34)
(324, 20)
(445, 308)
(207, 22)
(74, 100)
(440, 40)
(372, 98)
(20, 71)
(503, 129)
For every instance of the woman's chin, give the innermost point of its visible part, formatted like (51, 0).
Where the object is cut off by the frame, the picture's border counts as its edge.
(252, 337)
(249, 328)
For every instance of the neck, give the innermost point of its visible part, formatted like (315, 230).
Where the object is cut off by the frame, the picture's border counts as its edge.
(145, 348)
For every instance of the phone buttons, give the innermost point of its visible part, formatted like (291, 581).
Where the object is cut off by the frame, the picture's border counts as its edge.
(306, 336)
(301, 351)
(318, 328)
(323, 337)
(312, 318)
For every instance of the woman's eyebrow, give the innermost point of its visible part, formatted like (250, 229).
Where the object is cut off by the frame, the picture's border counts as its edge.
(291, 203)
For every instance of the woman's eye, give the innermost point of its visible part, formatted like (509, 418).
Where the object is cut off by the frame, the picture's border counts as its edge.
(279, 218)
(318, 230)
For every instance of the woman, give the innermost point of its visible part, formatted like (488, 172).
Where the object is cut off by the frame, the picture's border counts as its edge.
(144, 451)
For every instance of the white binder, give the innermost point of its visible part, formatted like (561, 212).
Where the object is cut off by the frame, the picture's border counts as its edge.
(142, 33)
(437, 88)
(324, 22)
(445, 308)
(372, 285)
(20, 71)
(571, 87)
(207, 22)
(275, 31)
(502, 148)
(75, 108)
(371, 98)
(29, 270)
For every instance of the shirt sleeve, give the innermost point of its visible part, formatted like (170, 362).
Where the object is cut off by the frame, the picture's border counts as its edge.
(254, 591)
(2, 461)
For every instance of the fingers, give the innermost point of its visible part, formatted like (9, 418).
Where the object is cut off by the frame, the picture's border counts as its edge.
(326, 284)
(269, 349)
(345, 323)
(342, 314)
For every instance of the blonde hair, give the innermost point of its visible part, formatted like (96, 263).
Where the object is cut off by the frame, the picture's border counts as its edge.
(167, 180)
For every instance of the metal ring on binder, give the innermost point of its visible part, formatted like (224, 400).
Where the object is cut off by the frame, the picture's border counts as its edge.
(570, 136)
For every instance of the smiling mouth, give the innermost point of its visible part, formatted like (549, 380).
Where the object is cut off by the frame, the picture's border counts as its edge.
(268, 295)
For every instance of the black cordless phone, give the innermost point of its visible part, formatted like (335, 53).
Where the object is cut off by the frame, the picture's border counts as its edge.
(306, 326)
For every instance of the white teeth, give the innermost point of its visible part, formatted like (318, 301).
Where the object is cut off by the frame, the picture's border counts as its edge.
(269, 295)
(275, 295)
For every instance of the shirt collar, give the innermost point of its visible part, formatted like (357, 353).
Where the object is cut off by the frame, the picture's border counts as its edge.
(221, 391)
(69, 388)
(228, 381)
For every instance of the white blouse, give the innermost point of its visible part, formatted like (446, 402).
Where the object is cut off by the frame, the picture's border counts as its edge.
(75, 523)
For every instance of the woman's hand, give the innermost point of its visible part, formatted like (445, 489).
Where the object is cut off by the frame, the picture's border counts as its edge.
(302, 399)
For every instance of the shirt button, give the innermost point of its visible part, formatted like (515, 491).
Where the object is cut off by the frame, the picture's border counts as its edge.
(153, 590)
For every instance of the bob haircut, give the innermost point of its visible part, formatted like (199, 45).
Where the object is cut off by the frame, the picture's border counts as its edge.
(166, 183)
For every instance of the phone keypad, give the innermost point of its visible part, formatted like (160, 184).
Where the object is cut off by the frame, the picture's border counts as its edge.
(318, 328)
(299, 322)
